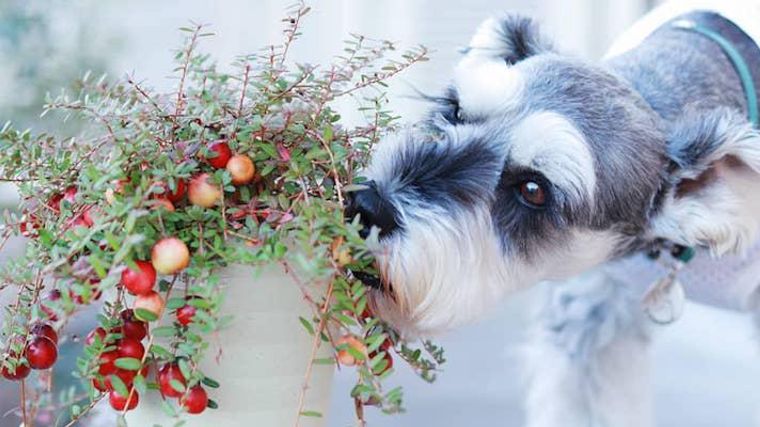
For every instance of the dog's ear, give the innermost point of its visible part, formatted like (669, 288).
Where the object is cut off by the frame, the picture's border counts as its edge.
(712, 194)
(511, 37)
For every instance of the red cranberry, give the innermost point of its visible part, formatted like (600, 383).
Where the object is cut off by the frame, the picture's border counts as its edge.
(41, 352)
(70, 195)
(29, 225)
(87, 217)
(22, 371)
(132, 327)
(45, 330)
(185, 314)
(170, 255)
(223, 154)
(119, 402)
(195, 401)
(152, 303)
(140, 281)
(75, 222)
(100, 385)
(55, 202)
(170, 372)
(130, 347)
(366, 314)
(107, 359)
(177, 195)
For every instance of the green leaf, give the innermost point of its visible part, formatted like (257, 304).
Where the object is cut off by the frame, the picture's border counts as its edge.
(307, 325)
(356, 353)
(311, 414)
(270, 150)
(327, 135)
(374, 341)
(210, 382)
(118, 385)
(97, 265)
(145, 315)
(163, 331)
(177, 385)
(184, 367)
(168, 408)
(128, 363)
(140, 384)
(359, 389)
(199, 303)
(160, 352)
(175, 303)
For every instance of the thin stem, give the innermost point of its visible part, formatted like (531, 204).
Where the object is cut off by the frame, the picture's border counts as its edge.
(18, 179)
(245, 88)
(85, 410)
(359, 410)
(292, 32)
(314, 347)
(224, 218)
(379, 77)
(23, 404)
(145, 95)
(180, 105)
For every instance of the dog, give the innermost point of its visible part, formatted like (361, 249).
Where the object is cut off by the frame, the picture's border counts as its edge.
(535, 166)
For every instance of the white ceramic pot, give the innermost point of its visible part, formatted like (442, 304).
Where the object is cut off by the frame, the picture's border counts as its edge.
(265, 353)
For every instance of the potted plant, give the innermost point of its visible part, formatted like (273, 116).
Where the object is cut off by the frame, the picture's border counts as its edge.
(207, 226)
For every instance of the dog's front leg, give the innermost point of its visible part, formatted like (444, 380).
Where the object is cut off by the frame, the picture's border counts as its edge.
(588, 359)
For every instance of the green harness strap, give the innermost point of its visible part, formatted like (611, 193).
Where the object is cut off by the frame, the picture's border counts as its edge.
(736, 58)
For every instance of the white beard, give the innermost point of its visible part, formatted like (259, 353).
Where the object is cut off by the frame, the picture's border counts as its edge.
(445, 270)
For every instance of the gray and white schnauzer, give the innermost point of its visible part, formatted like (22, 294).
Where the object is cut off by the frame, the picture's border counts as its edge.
(536, 166)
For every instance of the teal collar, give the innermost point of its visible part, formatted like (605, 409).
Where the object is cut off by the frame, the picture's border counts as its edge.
(736, 58)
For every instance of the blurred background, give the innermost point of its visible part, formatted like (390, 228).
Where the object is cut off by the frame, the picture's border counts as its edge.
(706, 365)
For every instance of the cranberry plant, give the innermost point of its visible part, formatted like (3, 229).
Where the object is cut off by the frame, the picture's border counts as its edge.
(139, 211)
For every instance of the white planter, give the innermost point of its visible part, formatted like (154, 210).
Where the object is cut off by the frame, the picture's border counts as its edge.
(265, 354)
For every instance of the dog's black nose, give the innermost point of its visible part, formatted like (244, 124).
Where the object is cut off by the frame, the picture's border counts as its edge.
(373, 210)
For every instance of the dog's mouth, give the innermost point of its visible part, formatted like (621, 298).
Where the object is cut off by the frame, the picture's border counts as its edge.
(373, 281)
(370, 280)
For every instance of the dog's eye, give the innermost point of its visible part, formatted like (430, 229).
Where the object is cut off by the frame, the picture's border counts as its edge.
(459, 114)
(452, 113)
(532, 193)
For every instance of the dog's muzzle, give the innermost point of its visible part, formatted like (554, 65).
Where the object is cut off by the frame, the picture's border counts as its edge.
(373, 210)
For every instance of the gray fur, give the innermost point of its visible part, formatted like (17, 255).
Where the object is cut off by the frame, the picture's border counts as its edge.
(626, 135)
(675, 68)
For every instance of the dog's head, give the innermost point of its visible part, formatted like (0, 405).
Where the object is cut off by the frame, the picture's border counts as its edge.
(535, 166)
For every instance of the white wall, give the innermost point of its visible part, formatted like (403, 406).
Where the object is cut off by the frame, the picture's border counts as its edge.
(583, 27)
